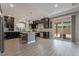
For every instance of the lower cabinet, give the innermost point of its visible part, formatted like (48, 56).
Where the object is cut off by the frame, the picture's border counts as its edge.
(10, 35)
(43, 34)
(46, 34)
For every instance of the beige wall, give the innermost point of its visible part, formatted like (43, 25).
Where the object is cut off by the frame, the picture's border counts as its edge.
(77, 28)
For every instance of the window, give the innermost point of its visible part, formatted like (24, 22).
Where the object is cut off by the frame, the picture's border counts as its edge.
(20, 26)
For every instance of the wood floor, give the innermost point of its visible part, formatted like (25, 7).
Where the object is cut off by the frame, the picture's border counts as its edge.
(42, 47)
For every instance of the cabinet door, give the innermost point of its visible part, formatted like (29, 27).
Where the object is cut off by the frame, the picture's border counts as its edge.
(11, 24)
(46, 23)
(50, 24)
(6, 22)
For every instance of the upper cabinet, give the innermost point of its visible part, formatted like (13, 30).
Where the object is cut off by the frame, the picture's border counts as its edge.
(46, 22)
(9, 23)
(42, 23)
(50, 24)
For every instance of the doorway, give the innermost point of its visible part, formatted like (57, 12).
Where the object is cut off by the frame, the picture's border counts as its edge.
(63, 29)
(57, 30)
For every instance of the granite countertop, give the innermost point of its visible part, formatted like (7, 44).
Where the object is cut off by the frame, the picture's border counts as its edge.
(11, 31)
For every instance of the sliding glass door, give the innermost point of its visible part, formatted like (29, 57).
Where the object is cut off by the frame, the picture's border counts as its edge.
(67, 30)
(62, 29)
(58, 30)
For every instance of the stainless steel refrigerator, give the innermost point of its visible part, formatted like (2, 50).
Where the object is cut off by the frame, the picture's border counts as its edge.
(1, 32)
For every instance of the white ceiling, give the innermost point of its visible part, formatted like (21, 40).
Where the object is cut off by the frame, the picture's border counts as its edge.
(33, 11)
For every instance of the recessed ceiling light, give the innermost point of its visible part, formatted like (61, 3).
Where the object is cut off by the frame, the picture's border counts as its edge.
(56, 5)
(11, 5)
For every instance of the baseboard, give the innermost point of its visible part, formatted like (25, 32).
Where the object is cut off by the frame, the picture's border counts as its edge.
(31, 42)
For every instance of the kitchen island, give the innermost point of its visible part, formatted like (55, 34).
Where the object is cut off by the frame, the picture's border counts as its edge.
(29, 37)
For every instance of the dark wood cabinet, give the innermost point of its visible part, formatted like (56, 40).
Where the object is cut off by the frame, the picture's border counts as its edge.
(6, 22)
(33, 26)
(44, 21)
(46, 34)
(50, 24)
(9, 23)
(11, 35)
(43, 35)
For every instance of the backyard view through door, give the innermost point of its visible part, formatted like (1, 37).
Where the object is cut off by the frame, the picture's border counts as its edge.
(63, 29)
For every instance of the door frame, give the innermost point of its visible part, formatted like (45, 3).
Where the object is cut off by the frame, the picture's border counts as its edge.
(62, 22)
